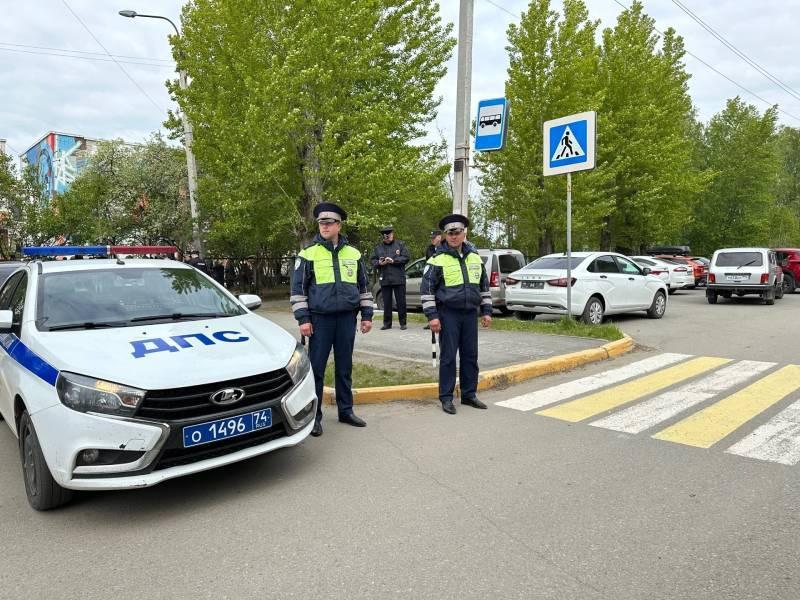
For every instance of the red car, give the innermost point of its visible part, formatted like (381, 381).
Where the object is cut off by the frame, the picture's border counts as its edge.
(789, 260)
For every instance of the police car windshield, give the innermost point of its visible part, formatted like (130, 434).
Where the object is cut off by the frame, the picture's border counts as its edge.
(129, 296)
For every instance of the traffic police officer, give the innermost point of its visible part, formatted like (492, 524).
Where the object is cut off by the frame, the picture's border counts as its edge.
(389, 258)
(454, 288)
(329, 286)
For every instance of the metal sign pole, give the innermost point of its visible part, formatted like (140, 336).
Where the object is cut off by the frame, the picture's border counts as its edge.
(569, 245)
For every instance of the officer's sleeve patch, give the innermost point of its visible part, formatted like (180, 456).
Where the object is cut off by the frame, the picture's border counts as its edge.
(296, 263)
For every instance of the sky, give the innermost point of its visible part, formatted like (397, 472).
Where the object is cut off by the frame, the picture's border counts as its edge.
(95, 97)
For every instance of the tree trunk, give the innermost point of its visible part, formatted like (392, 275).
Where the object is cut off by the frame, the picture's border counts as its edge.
(605, 235)
(311, 177)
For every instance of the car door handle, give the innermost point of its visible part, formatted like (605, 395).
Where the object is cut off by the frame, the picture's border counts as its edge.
(603, 277)
(631, 279)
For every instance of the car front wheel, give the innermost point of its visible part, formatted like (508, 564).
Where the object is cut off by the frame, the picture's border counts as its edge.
(658, 307)
(42, 490)
(523, 315)
(593, 312)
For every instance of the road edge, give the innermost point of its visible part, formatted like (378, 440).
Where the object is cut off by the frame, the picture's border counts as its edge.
(494, 378)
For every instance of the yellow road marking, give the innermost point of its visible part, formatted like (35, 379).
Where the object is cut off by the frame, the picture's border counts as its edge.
(705, 428)
(589, 406)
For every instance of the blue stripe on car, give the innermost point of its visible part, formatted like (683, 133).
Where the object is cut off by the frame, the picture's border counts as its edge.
(28, 358)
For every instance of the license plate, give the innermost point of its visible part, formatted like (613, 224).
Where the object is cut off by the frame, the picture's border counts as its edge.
(536, 285)
(222, 429)
(738, 277)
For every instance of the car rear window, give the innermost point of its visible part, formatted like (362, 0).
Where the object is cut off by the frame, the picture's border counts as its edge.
(510, 263)
(739, 259)
(555, 262)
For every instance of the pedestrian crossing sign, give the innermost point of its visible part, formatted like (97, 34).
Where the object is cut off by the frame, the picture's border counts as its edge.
(569, 143)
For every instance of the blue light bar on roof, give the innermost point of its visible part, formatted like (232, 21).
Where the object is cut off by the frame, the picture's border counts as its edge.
(66, 250)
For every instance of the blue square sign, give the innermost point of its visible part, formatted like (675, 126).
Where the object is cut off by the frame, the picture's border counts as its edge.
(491, 125)
(569, 144)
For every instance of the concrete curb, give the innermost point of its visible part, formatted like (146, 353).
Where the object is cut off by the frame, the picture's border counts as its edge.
(494, 379)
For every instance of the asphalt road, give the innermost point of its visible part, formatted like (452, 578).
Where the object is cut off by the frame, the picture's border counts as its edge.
(504, 503)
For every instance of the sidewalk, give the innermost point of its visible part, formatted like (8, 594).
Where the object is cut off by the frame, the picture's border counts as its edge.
(496, 348)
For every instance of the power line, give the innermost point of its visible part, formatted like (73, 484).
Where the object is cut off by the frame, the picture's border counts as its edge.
(738, 52)
(739, 85)
(99, 43)
(145, 58)
(98, 59)
(503, 8)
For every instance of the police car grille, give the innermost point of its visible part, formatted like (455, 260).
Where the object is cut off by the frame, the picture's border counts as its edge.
(191, 402)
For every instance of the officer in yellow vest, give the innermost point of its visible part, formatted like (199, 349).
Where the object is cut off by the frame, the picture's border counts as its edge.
(329, 287)
(454, 289)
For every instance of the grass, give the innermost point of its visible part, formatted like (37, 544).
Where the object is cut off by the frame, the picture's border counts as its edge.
(366, 375)
(563, 326)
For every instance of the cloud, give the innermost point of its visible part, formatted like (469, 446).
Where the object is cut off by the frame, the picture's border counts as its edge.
(41, 93)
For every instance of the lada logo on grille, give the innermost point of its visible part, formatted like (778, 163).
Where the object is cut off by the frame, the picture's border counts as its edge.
(227, 396)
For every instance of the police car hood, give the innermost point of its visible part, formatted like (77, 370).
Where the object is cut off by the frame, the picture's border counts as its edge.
(167, 355)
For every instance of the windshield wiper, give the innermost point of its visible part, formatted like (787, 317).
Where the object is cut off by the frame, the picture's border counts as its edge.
(87, 325)
(179, 316)
(747, 264)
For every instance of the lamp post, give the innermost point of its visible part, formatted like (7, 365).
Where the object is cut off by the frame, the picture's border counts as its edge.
(188, 139)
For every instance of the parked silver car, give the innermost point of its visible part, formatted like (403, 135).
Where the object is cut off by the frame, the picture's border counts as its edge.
(498, 262)
(743, 271)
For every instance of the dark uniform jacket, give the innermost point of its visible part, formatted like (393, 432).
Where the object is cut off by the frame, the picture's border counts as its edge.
(455, 282)
(430, 251)
(392, 273)
(329, 280)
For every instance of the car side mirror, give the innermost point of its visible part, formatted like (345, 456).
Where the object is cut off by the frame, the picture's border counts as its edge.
(251, 301)
(6, 320)
(646, 270)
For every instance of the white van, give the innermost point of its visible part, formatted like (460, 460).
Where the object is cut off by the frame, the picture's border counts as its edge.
(743, 271)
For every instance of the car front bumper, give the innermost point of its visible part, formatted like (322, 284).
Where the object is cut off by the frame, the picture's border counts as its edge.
(63, 433)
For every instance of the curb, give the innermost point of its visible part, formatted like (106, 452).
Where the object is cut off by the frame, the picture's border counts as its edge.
(494, 379)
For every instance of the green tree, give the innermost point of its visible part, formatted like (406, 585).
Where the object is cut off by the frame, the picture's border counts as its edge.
(785, 228)
(739, 148)
(128, 193)
(647, 125)
(553, 71)
(300, 102)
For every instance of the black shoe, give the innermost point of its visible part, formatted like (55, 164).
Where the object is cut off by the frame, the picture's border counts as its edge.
(448, 407)
(473, 402)
(386, 327)
(403, 327)
(317, 430)
(353, 420)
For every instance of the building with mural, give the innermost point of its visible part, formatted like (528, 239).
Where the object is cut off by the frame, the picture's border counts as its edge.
(59, 158)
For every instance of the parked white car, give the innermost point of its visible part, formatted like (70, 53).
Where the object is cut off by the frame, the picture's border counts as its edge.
(122, 374)
(603, 283)
(675, 276)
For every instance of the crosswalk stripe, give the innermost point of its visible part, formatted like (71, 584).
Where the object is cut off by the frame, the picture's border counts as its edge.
(590, 406)
(650, 413)
(778, 440)
(705, 428)
(585, 385)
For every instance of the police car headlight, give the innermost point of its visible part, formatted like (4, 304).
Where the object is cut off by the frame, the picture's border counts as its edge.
(87, 394)
(299, 365)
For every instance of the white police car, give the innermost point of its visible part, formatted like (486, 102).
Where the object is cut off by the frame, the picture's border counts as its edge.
(121, 374)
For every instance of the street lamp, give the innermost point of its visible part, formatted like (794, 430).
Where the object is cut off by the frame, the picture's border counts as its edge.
(188, 139)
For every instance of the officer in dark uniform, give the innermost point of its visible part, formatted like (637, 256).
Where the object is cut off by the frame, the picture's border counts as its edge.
(197, 262)
(389, 258)
(454, 288)
(329, 286)
(436, 239)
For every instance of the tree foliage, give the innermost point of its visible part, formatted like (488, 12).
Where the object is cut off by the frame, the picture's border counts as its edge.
(294, 103)
(127, 193)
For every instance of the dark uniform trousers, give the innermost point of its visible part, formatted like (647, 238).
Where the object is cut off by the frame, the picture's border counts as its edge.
(337, 330)
(400, 294)
(459, 334)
